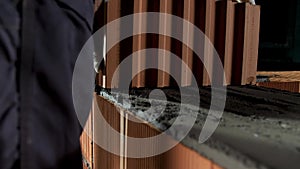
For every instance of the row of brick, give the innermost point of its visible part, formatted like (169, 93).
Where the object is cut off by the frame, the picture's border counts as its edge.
(287, 86)
(287, 80)
(232, 27)
(177, 158)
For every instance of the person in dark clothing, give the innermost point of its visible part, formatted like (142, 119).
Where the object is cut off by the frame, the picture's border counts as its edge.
(39, 43)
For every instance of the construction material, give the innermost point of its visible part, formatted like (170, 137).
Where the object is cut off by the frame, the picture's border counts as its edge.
(86, 141)
(175, 158)
(113, 57)
(207, 9)
(139, 43)
(224, 37)
(259, 129)
(287, 86)
(233, 29)
(164, 43)
(288, 81)
(188, 36)
(245, 54)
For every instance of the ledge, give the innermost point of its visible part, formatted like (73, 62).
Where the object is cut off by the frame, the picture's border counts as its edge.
(259, 129)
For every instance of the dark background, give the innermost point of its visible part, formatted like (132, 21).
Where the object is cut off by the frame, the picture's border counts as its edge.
(279, 48)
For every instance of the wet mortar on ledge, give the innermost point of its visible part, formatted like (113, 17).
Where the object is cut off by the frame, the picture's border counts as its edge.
(260, 127)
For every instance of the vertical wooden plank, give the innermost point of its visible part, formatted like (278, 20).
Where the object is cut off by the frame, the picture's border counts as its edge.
(246, 44)
(187, 53)
(224, 34)
(164, 43)
(139, 43)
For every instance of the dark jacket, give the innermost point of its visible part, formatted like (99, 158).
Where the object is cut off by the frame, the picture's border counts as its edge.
(39, 43)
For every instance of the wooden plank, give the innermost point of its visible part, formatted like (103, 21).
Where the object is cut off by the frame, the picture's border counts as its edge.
(246, 44)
